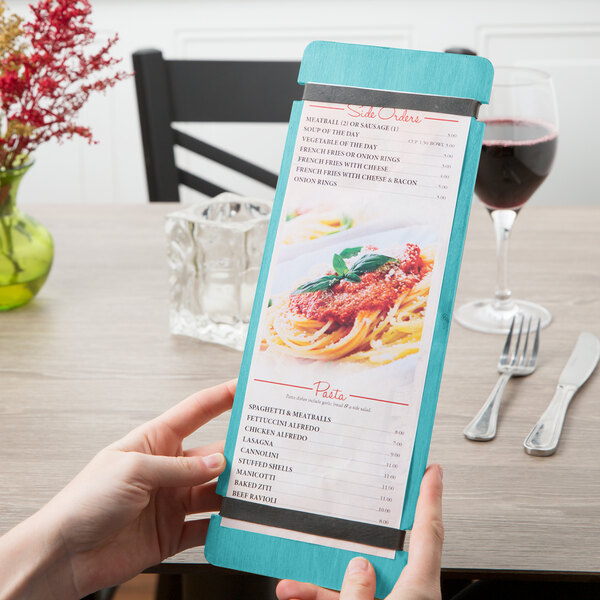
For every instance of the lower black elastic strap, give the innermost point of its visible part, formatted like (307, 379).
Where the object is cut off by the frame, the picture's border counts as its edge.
(332, 527)
(316, 92)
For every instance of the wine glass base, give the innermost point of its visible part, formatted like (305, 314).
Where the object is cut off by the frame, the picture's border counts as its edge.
(481, 315)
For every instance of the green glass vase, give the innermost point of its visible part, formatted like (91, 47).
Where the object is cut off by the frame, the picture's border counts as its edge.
(26, 247)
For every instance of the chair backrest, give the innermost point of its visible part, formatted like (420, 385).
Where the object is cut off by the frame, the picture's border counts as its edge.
(171, 91)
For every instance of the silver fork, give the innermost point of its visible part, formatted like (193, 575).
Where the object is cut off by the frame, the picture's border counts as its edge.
(511, 364)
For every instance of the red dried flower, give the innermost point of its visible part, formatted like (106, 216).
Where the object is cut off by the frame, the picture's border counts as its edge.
(47, 73)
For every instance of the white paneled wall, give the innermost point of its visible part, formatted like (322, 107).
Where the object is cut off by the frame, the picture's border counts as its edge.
(558, 36)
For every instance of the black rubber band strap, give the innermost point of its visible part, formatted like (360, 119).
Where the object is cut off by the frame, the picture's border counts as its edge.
(316, 92)
(332, 527)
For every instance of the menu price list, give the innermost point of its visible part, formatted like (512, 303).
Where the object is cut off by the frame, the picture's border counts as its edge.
(401, 151)
(328, 464)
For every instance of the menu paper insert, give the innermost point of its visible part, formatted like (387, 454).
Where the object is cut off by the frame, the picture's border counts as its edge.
(347, 319)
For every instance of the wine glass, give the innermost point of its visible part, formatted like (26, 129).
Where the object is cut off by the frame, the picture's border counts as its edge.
(519, 145)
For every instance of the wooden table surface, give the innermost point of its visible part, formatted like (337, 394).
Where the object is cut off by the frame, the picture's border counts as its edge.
(92, 357)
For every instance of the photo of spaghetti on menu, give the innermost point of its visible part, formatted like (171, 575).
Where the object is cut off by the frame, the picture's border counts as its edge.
(343, 340)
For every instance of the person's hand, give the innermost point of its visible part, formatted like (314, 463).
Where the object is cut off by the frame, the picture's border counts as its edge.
(125, 511)
(420, 579)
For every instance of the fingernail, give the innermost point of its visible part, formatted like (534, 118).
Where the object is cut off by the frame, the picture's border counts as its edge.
(358, 565)
(214, 460)
(436, 467)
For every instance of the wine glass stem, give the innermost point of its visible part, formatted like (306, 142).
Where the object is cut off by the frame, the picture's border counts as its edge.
(503, 222)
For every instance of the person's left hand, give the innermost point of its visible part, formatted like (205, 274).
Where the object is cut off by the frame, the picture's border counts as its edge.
(126, 510)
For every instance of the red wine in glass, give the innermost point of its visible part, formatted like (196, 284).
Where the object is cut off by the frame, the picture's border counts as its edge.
(520, 139)
(516, 157)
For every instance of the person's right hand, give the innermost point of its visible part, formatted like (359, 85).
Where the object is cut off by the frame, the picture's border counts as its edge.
(420, 579)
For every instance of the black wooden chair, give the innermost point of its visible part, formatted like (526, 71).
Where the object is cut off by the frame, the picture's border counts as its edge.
(171, 91)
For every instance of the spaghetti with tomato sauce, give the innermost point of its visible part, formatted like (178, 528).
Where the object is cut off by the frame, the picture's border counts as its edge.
(373, 319)
(377, 290)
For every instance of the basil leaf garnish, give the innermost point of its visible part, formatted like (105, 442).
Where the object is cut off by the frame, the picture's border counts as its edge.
(323, 283)
(369, 262)
(339, 265)
(350, 252)
(365, 264)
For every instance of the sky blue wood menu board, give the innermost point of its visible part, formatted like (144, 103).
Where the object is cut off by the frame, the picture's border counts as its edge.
(334, 409)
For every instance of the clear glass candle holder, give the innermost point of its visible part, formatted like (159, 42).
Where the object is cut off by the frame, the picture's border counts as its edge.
(214, 252)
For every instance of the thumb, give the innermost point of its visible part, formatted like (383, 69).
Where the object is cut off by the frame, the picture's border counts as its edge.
(180, 471)
(359, 580)
(422, 572)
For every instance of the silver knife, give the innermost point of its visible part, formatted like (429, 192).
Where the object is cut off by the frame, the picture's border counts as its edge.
(543, 438)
